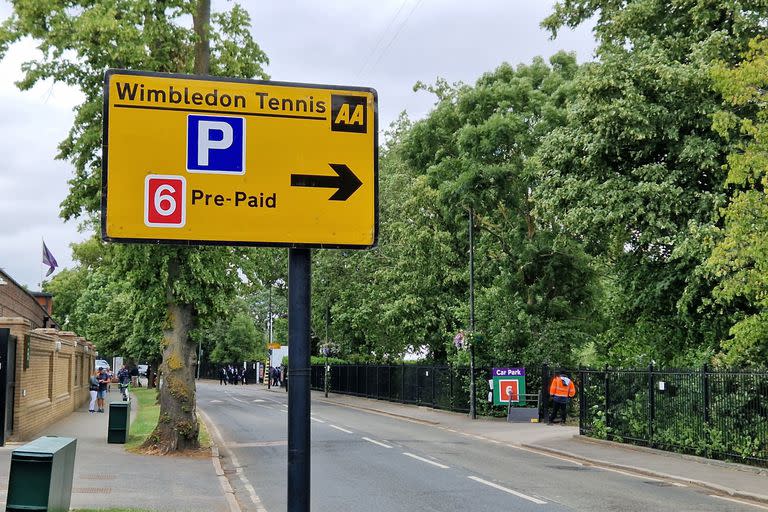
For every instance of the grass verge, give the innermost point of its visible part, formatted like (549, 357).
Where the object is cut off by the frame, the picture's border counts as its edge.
(146, 421)
(146, 417)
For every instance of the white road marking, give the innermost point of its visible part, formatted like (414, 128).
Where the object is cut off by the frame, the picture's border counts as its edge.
(342, 429)
(316, 419)
(734, 500)
(510, 491)
(422, 459)
(255, 498)
(259, 400)
(376, 442)
(216, 401)
(229, 493)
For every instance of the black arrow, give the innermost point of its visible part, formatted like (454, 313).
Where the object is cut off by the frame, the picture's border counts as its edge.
(346, 182)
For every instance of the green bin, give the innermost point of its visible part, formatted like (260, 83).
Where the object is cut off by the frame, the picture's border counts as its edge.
(119, 421)
(41, 475)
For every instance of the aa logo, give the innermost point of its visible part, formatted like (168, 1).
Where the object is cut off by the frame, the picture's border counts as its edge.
(348, 114)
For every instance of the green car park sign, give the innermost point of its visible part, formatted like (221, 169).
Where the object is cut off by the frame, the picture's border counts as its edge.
(508, 383)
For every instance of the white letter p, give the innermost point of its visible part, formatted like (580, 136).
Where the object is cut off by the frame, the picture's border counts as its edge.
(204, 142)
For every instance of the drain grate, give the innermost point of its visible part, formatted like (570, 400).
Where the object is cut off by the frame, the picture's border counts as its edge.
(92, 490)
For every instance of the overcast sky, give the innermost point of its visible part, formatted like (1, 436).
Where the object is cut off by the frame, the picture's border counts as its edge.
(385, 44)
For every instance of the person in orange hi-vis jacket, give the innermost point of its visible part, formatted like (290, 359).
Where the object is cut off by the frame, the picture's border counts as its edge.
(561, 389)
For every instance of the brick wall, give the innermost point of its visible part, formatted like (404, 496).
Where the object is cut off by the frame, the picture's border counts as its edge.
(56, 380)
(15, 301)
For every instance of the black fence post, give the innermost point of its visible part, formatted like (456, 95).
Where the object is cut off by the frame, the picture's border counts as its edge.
(402, 383)
(707, 398)
(544, 394)
(450, 379)
(433, 385)
(651, 405)
(607, 392)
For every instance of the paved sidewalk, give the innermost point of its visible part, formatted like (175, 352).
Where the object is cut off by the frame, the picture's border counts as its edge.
(106, 476)
(564, 441)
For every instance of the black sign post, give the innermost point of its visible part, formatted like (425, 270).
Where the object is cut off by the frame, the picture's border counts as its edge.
(299, 294)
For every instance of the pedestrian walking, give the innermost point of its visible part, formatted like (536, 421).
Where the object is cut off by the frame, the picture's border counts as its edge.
(561, 389)
(123, 379)
(93, 389)
(103, 379)
(222, 376)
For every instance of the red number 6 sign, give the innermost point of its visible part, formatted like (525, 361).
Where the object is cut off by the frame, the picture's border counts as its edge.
(164, 204)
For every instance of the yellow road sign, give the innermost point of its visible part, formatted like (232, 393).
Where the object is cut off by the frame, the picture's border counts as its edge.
(203, 160)
(273, 346)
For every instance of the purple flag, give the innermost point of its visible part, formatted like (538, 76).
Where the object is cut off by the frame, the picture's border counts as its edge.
(49, 260)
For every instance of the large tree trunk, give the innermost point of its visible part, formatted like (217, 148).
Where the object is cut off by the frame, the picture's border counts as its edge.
(177, 428)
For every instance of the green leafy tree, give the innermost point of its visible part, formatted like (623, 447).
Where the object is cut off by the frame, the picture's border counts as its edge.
(535, 288)
(236, 339)
(636, 171)
(78, 40)
(740, 257)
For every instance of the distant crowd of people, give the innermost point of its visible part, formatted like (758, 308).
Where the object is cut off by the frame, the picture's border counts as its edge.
(232, 375)
(277, 376)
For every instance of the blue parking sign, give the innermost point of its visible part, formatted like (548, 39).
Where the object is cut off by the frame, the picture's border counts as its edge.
(215, 144)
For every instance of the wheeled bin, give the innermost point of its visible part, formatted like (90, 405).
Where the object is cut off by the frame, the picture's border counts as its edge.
(119, 421)
(41, 475)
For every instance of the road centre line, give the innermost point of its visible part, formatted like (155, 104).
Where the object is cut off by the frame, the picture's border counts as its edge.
(422, 459)
(376, 442)
(316, 419)
(734, 500)
(342, 429)
(510, 491)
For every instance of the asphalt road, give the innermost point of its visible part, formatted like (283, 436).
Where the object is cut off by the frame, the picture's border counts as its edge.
(367, 461)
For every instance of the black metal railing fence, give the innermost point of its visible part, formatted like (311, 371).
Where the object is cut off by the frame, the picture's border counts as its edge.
(437, 386)
(716, 414)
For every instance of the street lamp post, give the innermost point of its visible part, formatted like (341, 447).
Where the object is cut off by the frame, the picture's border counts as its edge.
(472, 398)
